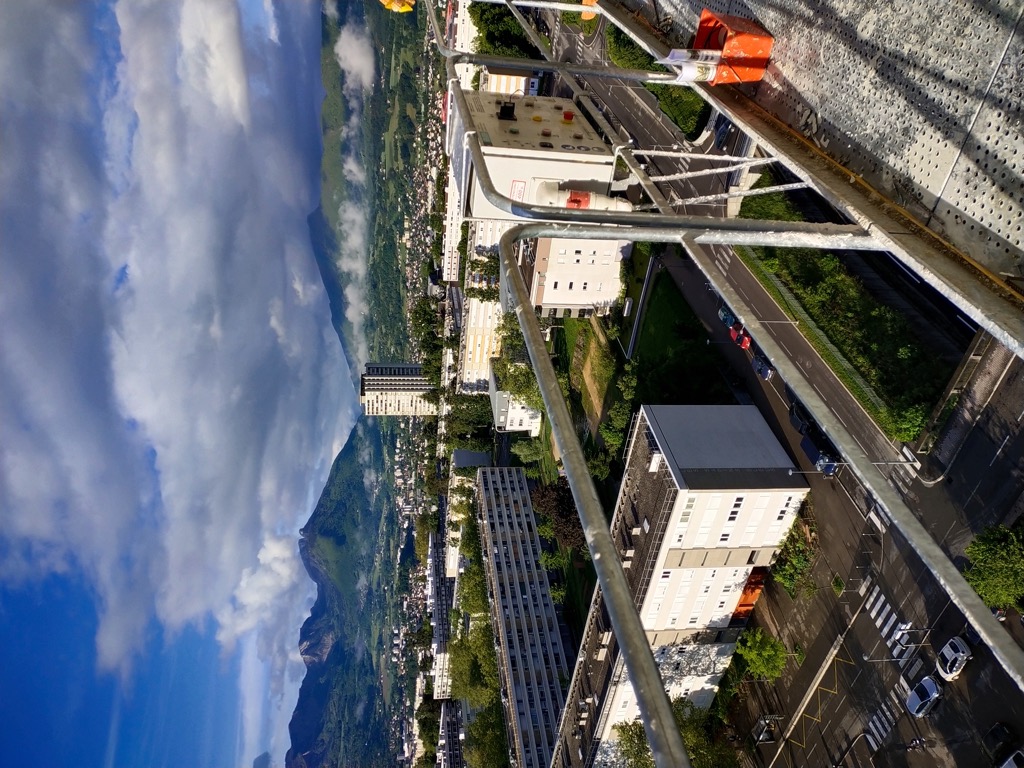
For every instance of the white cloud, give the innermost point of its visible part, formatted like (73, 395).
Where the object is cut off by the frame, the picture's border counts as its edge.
(354, 52)
(171, 391)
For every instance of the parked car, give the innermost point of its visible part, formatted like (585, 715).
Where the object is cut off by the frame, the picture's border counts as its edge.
(726, 316)
(998, 742)
(739, 336)
(923, 697)
(970, 634)
(952, 658)
(763, 368)
(1016, 760)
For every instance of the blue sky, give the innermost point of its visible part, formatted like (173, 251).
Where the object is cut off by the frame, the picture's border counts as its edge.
(179, 707)
(172, 393)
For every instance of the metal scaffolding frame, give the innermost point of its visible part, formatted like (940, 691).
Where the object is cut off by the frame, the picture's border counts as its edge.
(689, 231)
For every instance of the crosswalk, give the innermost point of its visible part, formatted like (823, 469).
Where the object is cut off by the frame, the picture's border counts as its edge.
(904, 653)
(885, 717)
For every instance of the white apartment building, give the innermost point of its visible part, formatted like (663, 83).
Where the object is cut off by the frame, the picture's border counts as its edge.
(511, 414)
(531, 661)
(704, 505)
(574, 278)
(395, 389)
(480, 342)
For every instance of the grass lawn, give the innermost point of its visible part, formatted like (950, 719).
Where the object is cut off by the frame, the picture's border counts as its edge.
(548, 468)
(676, 364)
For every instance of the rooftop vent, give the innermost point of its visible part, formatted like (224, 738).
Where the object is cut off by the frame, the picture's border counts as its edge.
(507, 110)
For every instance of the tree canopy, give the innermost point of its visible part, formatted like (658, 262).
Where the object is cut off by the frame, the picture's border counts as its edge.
(764, 655)
(554, 503)
(695, 726)
(499, 34)
(996, 570)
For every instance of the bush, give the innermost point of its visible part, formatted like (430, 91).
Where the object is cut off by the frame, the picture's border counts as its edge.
(793, 564)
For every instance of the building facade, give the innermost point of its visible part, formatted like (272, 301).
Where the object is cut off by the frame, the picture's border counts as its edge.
(706, 501)
(395, 389)
(511, 414)
(574, 278)
(531, 660)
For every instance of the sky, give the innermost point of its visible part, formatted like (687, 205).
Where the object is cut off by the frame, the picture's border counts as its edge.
(172, 393)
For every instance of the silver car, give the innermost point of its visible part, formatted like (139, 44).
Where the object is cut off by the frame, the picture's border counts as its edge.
(923, 697)
(952, 659)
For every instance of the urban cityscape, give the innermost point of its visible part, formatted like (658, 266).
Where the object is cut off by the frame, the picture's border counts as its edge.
(793, 538)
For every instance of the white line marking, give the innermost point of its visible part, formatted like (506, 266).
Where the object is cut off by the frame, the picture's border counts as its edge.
(999, 450)
(888, 626)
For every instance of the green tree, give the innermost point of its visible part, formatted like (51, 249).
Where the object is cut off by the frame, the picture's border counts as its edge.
(488, 293)
(554, 503)
(996, 570)
(486, 744)
(695, 726)
(529, 451)
(765, 656)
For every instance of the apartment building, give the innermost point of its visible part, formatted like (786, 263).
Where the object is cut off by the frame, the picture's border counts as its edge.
(573, 278)
(395, 389)
(511, 414)
(531, 660)
(479, 343)
(705, 502)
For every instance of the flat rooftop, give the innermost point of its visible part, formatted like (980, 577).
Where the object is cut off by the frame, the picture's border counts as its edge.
(720, 446)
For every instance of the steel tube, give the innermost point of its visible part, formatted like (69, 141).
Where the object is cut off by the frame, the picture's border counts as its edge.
(715, 171)
(774, 229)
(652, 700)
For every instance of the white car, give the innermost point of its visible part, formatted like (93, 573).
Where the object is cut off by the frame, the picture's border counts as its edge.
(952, 659)
(923, 697)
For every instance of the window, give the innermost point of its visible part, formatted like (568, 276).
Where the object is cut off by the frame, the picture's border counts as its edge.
(752, 558)
(666, 574)
(584, 286)
(570, 285)
(723, 538)
(555, 286)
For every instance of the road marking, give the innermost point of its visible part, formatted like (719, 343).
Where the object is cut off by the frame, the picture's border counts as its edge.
(999, 450)
(822, 394)
(840, 419)
(889, 623)
(913, 277)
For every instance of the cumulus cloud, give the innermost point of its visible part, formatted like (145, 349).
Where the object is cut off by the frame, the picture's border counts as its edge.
(354, 52)
(171, 390)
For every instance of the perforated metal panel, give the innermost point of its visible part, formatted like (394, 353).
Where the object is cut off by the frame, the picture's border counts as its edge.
(923, 98)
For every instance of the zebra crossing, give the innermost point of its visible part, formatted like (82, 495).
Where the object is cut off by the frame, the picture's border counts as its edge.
(904, 653)
(889, 711)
